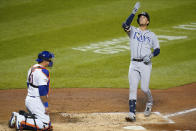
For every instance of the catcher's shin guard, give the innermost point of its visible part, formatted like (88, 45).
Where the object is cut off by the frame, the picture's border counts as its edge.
(23, 125)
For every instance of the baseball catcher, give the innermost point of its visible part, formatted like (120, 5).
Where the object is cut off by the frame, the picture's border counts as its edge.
(141, 42)
(36, 102)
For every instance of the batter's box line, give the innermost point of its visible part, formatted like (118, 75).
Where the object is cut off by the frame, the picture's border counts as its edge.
(168, 116)
(179, 113)
(164, 117)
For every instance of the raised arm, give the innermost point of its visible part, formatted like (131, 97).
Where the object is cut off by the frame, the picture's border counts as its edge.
(127, 23)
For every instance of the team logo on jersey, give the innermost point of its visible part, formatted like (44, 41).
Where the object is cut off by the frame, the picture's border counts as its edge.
(141, 38)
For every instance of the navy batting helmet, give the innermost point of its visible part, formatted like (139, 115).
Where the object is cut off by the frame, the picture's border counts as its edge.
(143, 14)
(45, 56)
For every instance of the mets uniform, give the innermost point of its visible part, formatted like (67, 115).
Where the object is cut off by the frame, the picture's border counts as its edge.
(36, 102)
(37, 76)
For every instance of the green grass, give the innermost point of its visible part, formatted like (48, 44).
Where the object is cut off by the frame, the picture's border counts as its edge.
(30, 26)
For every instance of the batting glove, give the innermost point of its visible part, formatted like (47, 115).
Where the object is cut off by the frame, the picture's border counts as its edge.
(147, 58)
(136, 7)
(126, 27)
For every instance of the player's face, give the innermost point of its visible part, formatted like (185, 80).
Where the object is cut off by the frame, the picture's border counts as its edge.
(143, 20)
(47, 63)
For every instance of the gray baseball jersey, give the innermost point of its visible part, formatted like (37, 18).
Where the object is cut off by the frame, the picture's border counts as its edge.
(141, 42)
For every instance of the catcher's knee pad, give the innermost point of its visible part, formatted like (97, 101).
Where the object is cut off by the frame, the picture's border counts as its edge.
(27, 126)
(24, 125)
(27, 115)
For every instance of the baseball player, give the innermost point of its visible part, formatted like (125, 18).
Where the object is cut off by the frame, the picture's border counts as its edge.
(36, 102)
(141, 42)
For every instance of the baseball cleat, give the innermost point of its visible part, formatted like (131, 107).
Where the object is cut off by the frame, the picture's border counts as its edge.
(12, 120)
(131, 117)
(18, 128)
(148, 109)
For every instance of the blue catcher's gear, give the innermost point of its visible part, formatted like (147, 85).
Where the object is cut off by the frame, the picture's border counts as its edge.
(45, 56)
(143, 14)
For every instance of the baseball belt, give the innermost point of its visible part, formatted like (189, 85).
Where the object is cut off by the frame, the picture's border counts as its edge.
(138, 60)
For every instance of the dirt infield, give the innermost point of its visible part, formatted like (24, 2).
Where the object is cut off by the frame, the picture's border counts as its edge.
(99, 109)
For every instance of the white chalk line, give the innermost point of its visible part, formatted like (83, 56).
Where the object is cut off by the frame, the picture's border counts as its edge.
(166, 118)
(120, 44)
(180, 113)
(191, 26)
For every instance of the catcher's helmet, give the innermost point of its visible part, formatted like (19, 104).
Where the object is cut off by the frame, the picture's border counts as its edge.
(144, 14)
(45, 55)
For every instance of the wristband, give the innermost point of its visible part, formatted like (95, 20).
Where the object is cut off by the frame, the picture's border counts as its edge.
(156, 52)
(46, 104)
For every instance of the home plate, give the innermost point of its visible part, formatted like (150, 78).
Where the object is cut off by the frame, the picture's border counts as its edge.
(134, 127)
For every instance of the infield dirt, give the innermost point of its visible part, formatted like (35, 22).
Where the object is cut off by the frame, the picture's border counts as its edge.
(87, 101)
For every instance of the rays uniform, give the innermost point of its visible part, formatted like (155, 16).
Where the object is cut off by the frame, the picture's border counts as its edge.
(142, 41)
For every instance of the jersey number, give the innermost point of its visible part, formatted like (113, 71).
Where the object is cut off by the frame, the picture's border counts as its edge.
(31, 78)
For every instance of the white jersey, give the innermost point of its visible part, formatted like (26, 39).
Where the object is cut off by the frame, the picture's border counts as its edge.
(141, 42)
(36, 77)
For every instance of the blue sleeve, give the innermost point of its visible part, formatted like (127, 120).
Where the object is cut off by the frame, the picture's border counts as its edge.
(43, 90)
(46, 72)
(129, 19)
(126, 25)
(156, 52)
